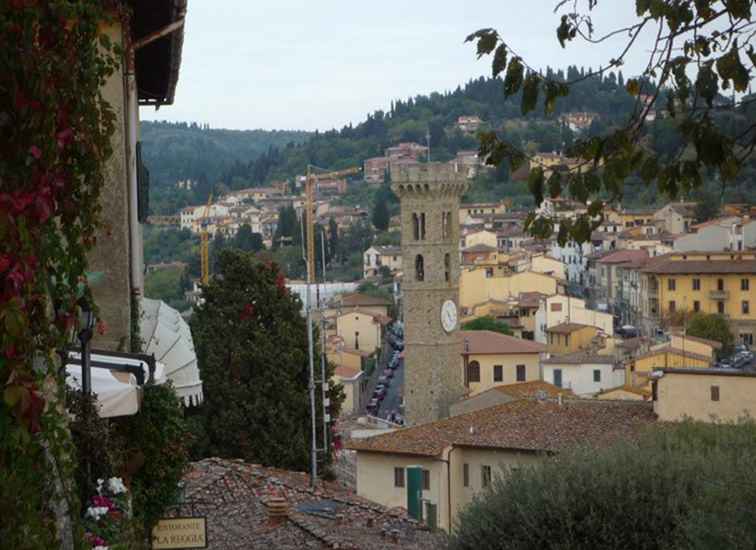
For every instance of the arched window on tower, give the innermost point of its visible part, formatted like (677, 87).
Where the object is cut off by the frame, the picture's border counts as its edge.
(419, 268)
(447, 267)
(422, 226)
(415, 226)
(446, 224)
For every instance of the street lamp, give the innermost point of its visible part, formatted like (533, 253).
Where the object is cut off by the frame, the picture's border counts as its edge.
(86, 323)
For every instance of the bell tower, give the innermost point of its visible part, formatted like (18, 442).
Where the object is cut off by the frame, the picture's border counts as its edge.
(430, 194)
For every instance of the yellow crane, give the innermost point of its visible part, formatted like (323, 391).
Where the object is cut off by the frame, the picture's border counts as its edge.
(205, 243)
(312, 179)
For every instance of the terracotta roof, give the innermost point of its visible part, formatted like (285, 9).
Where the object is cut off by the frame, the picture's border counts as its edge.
(713, 343)
(480, 247)
(526, 425)
(687, 209)
(359, 299)
(670, 266)
(487, 342)
(389, 250)
(233, 495)
(579, 358)
(529, 390)
(676, 351)
(567, 328)
(629, 389)
(623, 256)
(710, 372)
(382, 319)
(530, 299)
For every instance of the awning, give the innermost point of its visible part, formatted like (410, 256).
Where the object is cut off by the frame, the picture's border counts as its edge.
(168, 337)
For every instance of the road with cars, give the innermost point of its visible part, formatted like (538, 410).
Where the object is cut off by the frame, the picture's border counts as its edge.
(385, 397)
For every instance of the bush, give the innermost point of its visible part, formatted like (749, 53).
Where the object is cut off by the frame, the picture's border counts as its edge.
(690, 485)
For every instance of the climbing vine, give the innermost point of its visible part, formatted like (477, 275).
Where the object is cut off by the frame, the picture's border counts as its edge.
(55, 130)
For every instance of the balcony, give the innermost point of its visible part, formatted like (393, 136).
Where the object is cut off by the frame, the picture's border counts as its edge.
(719, 295)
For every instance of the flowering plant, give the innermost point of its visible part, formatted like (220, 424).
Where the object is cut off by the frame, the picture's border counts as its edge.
(104, 516)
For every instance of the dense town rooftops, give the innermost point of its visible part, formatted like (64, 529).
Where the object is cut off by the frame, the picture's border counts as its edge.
(624, 256)
(480, 248)
(567, 328)
(579, 358)
(530, 299)
(687, 354)
(233, 495)
(528, 425)
(672, 266)
(487, 342)
(528, 390)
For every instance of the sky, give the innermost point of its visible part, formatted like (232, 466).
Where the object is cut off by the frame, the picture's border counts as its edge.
(321, 64)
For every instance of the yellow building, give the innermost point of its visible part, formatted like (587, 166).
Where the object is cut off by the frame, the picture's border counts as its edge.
(365, 302)
(483, 236)
(463, 454)
(626, 393)
(492, 359)
(361, 330)
(665, 357)
(709, 282)
(694, 344)
(704, 394)
(541, 263)
(482, 283)
(352, 383)
(571, 337)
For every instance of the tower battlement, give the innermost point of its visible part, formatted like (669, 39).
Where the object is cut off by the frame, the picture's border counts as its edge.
(424, 176)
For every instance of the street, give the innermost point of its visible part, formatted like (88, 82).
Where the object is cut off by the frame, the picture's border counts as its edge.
(393, 397)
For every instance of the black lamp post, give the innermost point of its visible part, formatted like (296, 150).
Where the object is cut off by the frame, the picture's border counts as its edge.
(87, 324)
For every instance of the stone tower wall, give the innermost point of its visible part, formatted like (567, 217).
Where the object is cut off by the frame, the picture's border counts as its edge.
(433, 377)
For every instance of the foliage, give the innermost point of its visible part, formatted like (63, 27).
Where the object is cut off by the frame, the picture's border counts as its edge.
(687, 485)
(158, 439)
(166, 284)
(709, 133)
(107, 516)
(381, 216)
(712, 327)
(56, 130)
(251, 343)
(487, 323)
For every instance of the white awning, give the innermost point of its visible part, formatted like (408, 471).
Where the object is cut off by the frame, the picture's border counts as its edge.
(168, 337)
(117, 392)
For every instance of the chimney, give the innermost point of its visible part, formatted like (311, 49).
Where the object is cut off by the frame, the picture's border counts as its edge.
(559, 399)
(278, 509)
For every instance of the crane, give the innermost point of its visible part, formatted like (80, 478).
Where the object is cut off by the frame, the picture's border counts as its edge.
(312, 179)
(205, 244)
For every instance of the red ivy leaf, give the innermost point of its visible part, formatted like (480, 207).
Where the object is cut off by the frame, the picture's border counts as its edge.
(247, 312)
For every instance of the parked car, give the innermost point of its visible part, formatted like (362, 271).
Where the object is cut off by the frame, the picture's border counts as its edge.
(372, 406)
(383, 379)
(388, 373)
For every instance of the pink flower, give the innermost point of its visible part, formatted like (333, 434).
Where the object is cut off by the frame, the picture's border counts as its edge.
(103, 502)
(35, 151)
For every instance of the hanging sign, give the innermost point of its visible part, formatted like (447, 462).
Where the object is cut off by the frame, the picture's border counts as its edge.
(180, 533)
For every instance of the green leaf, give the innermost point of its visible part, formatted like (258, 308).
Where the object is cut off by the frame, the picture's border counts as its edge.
(729, 67)
(514, 77)
(739, 9)
(555, 184)
(13, 395)
(707, 84)
(530, 93)
(642, 6)
(563, 31)
(499, 60)
(487, 40)
(535, 184)
(633, 87)
(649, 170)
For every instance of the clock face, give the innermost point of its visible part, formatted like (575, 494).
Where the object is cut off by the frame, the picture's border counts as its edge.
(449, 316)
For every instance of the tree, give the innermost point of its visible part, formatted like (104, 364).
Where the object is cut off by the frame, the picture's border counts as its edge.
(712, 327)
(247, 241)
(683, 485)
(333, 237)
(381, 215)
(706, 39)
(488, 323)
(251, 343)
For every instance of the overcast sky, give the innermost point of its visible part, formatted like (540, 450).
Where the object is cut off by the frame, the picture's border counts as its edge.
(307, 64)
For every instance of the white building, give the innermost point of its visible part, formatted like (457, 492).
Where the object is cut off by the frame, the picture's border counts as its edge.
(730, 233)
(559, 308)
(573, 256)
(583, 374)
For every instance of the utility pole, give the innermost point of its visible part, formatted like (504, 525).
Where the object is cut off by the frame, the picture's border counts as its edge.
(309, 192)
(323, 379)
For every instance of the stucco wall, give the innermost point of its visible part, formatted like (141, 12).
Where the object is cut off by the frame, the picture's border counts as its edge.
(509, 363)
(349, 324)
(681, 395)
(579, 378)
(475, 288)
(667, 359)
(679, 342)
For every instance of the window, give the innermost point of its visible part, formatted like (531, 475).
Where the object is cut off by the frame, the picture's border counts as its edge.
(498, 373)
(720, 308)
(466, 475)
(696, 306)
(419, 268)
(446, 224)
(558, 378)
(485, 476)
(473, 372)
(720, 284)
(556, 307)
(672, 306)
(426, 480)
(744, 284)
(596, 375)
(671, 284)
(489, 272)
(696, 284)
(747, 338)
(745, 306)
(356, 340)
(521, 376)
(415, 226)
(447, 267)
(422, 226)
(715, 393)
(398, 477)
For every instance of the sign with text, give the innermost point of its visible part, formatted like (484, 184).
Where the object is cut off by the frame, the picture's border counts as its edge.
(179, 533)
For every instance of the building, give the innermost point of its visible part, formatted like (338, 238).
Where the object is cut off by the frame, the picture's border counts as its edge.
(730, 233)
(469, 162)
(709, 282)
(478, 209)
(361, 330)
(429, 196)
(724, 395)
(479, 284)
(479, 254)
(352, 383)
(375, 169)
(499, 395)
(469, 124)
(376, 257)
(490, 359)
(573, 256)
(560, 308)
(583, 373)
(571, 337)
(375, 305)
(461, 455)
(642, 367)
(578, 121)
(626, 393)
(676, 217)
(405, 151)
